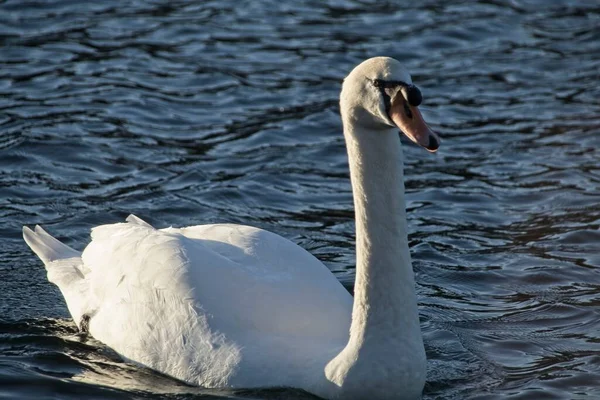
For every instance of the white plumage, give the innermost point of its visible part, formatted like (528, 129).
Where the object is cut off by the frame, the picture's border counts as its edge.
(239, 307)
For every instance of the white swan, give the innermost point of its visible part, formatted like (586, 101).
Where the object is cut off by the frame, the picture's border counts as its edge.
(230, 306)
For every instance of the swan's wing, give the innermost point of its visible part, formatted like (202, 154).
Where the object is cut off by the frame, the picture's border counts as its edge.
(199, 303)
(275, 285)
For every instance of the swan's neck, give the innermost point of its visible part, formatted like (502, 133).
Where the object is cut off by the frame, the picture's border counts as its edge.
(385, 333)
(384, 294)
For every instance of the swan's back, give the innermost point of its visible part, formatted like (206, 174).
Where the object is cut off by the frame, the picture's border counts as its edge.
(214, 305)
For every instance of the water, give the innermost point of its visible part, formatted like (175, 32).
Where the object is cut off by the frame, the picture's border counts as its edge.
(188, 112)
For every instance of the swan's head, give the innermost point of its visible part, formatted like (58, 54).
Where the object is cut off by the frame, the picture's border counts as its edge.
(379, 95)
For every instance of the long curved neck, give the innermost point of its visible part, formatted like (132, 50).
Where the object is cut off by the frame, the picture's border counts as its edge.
(385, 304)
(385, 336)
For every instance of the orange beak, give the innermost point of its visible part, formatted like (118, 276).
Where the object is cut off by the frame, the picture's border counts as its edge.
(410, 121)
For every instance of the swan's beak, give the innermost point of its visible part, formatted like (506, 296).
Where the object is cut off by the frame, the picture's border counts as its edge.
(410, 121)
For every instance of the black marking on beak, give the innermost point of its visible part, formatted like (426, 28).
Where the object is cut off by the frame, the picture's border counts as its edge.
(433, 143)
(412, 94)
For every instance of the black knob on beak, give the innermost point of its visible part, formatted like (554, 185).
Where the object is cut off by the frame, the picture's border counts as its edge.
(412, 94)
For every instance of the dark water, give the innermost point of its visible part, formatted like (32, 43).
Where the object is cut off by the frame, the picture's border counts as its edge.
(188, 112)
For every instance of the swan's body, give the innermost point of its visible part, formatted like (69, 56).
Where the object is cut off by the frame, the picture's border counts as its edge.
(234, 306)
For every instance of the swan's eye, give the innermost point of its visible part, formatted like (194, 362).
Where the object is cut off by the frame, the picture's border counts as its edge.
(378, 83)
(382, 86)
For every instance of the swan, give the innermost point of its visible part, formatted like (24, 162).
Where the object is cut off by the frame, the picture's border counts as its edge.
(232, 306)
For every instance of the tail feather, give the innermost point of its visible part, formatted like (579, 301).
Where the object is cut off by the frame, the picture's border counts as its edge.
(65, 269)
(46, 247)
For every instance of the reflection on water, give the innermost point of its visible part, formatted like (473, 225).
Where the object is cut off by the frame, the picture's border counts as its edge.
(196, 111)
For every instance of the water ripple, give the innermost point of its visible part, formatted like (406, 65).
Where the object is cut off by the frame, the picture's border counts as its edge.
(189, 111)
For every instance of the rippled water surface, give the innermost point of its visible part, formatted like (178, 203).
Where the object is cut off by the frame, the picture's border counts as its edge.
(188, 112)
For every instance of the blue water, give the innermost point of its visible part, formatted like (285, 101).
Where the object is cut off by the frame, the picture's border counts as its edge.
(190, 112)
